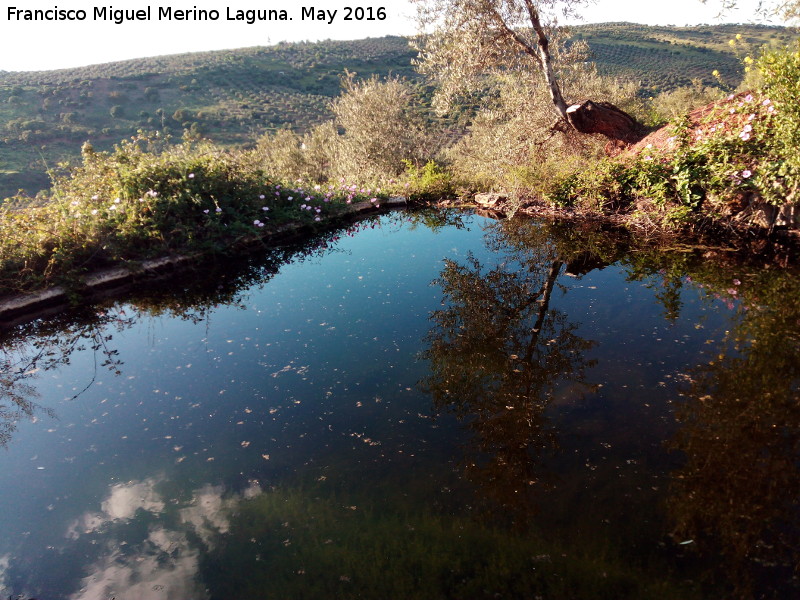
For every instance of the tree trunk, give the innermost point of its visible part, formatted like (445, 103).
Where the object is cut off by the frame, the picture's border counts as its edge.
(587, 117)
(606, 119)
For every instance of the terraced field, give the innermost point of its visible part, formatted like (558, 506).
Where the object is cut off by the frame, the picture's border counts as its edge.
(234, 96)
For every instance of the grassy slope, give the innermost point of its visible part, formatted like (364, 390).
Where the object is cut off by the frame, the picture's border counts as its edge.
(233, 96)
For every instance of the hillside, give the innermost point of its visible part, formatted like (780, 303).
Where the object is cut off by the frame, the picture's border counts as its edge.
(234, 96)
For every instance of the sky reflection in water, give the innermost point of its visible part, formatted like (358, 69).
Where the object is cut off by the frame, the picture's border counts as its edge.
(413, 376)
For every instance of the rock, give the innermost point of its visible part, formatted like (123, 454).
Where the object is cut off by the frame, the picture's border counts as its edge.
(606, 119)
(491, 201)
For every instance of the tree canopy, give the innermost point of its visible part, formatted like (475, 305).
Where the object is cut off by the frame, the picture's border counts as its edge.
(463, 40)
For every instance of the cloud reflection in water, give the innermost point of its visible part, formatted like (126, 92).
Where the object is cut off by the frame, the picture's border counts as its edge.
(164, 565)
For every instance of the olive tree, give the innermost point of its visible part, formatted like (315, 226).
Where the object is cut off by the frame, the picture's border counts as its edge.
(383, 124)
(788, 10)
(462, 40)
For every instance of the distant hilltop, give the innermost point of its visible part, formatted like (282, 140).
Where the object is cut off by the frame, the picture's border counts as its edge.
(233, 96)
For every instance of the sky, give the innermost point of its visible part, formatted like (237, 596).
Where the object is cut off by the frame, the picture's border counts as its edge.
(30, 45)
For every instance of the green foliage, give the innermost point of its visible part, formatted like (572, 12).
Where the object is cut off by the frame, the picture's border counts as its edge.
(511, 144)
(150, 198)
(675, 103)
(778, 178)
(743, 149)
(234, 93)
(605, 185)
(427, 183)
(383, 124)
(378, 129)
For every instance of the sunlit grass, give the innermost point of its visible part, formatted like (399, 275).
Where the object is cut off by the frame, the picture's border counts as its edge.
(150, 199)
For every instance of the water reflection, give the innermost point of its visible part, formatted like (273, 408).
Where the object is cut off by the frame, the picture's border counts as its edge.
(31, 349)
(53, 344)
(295, 458)
(737, 495)
(147, 545)
(498, 353)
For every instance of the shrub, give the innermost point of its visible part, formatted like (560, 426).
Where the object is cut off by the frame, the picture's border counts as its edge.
(152, 198)
(427, 183)
(745, 146)
(511, 144)
(383, 125)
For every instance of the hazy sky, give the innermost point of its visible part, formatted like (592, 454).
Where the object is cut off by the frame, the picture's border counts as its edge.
(40, 45)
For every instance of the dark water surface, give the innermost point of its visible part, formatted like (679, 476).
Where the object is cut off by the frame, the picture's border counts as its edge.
(422, 406)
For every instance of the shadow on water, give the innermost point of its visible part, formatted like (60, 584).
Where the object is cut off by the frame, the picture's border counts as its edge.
(500, 354)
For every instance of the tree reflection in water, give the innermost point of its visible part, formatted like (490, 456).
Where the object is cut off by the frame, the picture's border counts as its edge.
(30, 349)
(738, 495)
(498, 352)
(53, 344)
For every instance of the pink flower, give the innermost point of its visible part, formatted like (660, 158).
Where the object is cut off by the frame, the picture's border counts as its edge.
(191, 175)
(746, 173)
